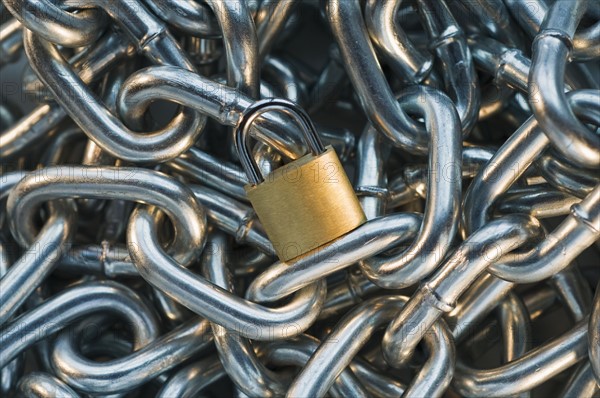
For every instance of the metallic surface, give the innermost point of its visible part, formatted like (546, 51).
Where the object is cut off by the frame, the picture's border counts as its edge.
(314, 195)
(175, 221)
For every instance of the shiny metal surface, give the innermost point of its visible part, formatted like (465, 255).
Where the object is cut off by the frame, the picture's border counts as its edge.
(133, 262)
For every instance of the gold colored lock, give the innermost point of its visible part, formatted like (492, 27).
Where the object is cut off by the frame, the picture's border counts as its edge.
(307, 203)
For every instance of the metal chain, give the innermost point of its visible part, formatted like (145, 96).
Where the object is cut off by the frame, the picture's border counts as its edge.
(132, 262)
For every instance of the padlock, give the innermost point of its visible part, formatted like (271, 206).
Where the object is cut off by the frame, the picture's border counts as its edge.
(305, 204)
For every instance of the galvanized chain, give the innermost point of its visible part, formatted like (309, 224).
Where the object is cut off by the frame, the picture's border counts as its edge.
(300, 198)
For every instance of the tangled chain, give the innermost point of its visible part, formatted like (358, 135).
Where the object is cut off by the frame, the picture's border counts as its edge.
(133, 263)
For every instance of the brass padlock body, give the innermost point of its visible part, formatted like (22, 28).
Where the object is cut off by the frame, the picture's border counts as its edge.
(306, 204)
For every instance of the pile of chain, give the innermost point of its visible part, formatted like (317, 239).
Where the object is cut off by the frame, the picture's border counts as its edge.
(133, 263)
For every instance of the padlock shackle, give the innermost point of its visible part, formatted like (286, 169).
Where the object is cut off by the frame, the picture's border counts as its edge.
(242, 139)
